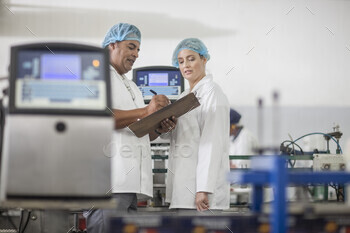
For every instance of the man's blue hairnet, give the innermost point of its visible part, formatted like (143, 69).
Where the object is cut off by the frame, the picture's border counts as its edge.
(193, 44)
(121, 32)
(234, 117)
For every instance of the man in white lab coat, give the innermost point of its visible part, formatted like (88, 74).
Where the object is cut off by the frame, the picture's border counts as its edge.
(242, 141)
(132, 177)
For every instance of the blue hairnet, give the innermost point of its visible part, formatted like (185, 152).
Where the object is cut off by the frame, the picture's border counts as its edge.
(193, 44)
(121, 32)
(234, 117)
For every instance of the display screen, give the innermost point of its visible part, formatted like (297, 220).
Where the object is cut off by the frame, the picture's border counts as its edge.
(60, 67)
(158, 79)
(60, 80)
(162, 79)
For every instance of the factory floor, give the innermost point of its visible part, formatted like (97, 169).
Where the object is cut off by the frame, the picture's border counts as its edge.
(48, 221)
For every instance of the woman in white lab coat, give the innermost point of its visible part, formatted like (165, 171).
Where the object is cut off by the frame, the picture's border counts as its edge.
(199, 148)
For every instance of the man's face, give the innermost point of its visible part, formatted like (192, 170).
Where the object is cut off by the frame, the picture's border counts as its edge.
(123, 54)
(233, 130)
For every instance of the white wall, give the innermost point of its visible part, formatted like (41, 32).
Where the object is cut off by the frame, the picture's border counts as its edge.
(299, 48)
(278, 123)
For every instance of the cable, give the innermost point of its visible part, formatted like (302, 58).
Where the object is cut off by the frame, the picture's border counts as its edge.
(18, 229)
(341, 194)
(336, 190)
(294, 152)
(290, 162)
(293, 142)
(27, 221)
(2, 125)
(290, 136)
(324, 134)
(2, 120)
(20, 221)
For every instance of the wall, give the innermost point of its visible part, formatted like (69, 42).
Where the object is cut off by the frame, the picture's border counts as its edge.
(299, 48)
(273, 125)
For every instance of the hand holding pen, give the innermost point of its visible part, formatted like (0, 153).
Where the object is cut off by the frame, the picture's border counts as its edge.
(157, 102)
(153, 92)
(166, 125)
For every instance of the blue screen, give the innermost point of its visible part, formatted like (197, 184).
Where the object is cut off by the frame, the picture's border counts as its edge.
(61, 66)
(61, 80)
(158, 78)
(161, 80)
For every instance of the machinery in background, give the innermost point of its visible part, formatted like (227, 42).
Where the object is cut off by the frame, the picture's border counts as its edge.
(309, 222)
(37, 221)
(160, 155)
(272, 170)
(55, 137)
(278, 216)
(163, 80)
(318, 161)
(58, 97)
(328, 162)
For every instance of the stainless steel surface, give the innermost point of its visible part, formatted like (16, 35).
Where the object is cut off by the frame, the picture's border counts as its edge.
(64, 204)
(313, 208)
(42, 162)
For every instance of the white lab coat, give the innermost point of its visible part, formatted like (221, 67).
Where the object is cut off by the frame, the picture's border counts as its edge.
(198, 156)
(130, 155)
(243, 144)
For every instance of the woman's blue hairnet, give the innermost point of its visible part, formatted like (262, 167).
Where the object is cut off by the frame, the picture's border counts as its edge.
(193, 44)
(121, 32)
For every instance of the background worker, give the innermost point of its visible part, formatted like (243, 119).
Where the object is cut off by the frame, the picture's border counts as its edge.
(242, 141)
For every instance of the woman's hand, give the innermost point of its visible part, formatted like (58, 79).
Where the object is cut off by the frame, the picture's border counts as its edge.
(202, 201)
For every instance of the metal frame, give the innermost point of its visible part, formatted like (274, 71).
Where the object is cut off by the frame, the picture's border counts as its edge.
(273, 170)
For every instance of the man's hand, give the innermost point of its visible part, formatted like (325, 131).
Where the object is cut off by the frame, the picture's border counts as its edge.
(157, 102)
(202, 201)
(167, 125)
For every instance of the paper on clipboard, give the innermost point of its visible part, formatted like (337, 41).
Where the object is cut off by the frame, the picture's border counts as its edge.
(178, 108)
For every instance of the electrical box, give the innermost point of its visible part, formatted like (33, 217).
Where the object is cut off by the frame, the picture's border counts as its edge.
(329, 162)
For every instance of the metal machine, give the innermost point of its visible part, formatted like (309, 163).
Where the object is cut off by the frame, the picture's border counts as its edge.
(58, 123)
(164, 80)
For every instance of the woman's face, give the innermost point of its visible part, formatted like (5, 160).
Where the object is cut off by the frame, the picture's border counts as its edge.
(192, 66)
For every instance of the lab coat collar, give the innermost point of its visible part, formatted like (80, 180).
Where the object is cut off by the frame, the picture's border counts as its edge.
(111, 68)
(204, 80)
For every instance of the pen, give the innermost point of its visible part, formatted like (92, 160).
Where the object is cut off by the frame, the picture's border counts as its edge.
(154, 93)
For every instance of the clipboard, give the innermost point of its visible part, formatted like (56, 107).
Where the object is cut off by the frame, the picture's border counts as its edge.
(178, 108)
